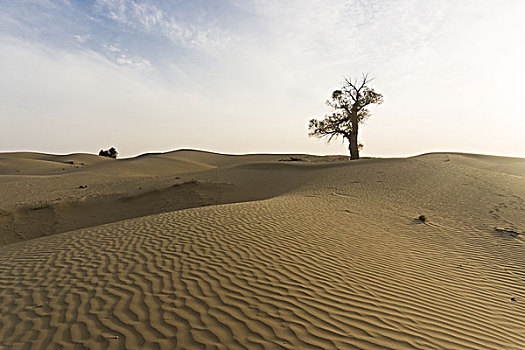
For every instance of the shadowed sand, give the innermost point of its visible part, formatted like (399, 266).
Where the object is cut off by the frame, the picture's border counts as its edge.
(260, 253)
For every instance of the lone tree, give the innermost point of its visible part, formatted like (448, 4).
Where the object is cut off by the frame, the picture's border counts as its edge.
(111, 153)
(349, 110)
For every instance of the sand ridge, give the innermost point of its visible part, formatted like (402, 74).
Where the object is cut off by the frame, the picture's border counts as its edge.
(332, 258)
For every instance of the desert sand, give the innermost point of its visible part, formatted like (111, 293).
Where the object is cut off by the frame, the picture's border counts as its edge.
(197, 250)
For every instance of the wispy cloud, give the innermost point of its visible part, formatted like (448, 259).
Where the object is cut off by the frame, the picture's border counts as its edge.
(81, 38)
(152, 19)
(112, 48)
(122, 57)
(355, 29)
(133, 62)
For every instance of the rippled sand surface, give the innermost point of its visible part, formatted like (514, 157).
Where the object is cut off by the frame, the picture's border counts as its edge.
(257, 253)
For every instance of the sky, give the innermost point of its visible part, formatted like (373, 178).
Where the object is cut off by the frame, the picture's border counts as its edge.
(246, 76)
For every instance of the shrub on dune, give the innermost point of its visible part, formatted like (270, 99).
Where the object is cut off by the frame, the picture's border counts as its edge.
(110, 153)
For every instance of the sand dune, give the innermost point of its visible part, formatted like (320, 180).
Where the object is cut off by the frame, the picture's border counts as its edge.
(54, 194)
(248, 252)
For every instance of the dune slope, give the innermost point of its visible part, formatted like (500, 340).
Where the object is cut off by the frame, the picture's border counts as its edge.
(48, 194)
(337, 261)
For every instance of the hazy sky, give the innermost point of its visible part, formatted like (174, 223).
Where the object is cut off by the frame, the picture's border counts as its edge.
(243, 76)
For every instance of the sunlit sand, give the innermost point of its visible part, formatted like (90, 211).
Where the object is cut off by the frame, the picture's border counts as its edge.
(197, 250)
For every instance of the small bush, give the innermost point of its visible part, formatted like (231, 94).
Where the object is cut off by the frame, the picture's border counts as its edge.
(422, 218)
(110, 153)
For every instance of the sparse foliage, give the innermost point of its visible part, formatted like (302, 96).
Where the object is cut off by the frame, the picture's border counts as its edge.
(110, 153)
(349, 109)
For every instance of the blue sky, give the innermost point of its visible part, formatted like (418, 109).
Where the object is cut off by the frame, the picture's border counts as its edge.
(246, 76)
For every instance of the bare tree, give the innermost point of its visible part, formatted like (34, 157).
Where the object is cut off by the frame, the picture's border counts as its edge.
(348, 111)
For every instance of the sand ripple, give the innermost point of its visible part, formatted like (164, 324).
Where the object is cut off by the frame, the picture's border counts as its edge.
(262, 275)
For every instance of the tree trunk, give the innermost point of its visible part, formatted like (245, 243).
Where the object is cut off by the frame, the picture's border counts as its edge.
(353, 146)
